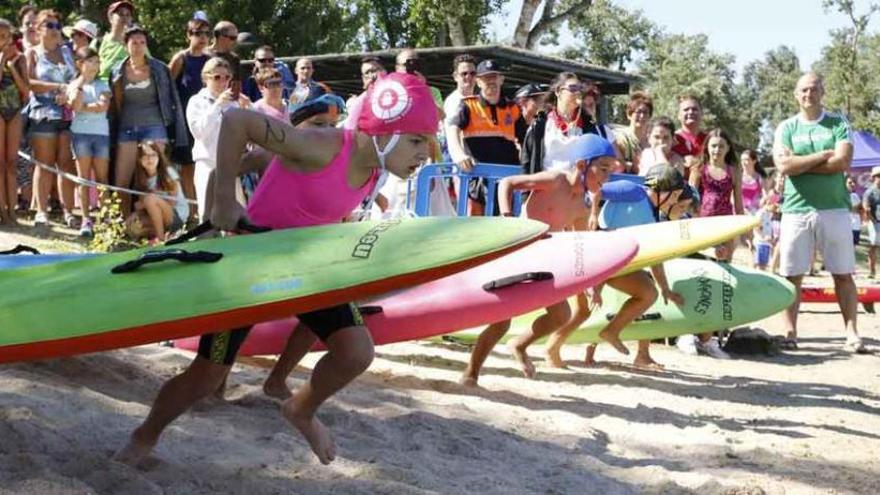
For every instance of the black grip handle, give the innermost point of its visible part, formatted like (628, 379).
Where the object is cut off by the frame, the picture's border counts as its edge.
(643, 317)
(516, 279)
(21, 248)
(206, 226)
(370, 310)
(160, 255)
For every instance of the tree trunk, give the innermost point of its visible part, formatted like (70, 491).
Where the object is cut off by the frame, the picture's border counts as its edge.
(456, 31)
(549, 21)
(524, 25)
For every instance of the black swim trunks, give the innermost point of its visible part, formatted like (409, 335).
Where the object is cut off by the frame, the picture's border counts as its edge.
(222, 347)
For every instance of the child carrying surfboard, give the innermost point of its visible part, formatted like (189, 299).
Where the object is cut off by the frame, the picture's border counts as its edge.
(669, 198)
(316, 177)
(557, 198)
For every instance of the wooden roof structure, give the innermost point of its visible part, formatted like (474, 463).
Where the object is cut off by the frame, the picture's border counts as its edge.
(341, 71)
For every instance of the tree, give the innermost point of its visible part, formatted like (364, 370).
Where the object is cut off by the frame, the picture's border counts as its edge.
(844, 50)
(550, 15)
(768, 86)
(610, 35)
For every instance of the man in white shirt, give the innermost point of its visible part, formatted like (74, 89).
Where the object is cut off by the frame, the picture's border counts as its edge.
(464, 71)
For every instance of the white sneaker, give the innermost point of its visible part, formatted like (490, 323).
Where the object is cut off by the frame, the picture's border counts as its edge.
(41, 219)
(711, 348)
(687, 344)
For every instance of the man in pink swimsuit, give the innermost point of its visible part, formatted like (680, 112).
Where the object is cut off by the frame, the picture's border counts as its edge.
(316, 177)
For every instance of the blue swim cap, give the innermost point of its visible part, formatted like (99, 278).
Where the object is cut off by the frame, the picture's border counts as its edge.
(322, 104)
(590, 146)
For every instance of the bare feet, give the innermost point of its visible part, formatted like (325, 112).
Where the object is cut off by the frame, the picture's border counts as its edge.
(468, 381)
(590, 358)
(135, 451)
(277, 389)
(312, 429)
(554, 360)
(522, 358)
(615, 342)
(646, 362)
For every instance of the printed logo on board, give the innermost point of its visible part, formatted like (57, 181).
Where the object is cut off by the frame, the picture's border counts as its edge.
(368, 241)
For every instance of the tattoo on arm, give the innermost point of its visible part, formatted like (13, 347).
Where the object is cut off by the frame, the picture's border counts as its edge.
(274, 135)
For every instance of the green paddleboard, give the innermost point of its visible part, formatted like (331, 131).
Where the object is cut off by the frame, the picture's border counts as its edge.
(717, 296)
(80, 306)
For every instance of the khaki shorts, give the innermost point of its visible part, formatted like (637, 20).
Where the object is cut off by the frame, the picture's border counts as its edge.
(827, 231)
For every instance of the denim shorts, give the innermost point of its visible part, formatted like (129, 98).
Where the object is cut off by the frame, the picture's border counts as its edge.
(142, 133)
(48, 128)
(91, 145)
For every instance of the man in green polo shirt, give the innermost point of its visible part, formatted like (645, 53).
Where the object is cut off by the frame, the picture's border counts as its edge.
(814, 151)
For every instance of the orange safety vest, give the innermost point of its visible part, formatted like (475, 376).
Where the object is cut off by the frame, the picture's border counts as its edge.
(481, 124)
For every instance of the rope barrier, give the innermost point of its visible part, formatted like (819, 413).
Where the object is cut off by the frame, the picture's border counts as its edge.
(90, 183)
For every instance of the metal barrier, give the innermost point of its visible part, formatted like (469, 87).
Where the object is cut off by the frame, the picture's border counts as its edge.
(491, 173)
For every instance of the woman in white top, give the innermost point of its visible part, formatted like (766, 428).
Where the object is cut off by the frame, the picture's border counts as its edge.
(203, 115)
(563, 120)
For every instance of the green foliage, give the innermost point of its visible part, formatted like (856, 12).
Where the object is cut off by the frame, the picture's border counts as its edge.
(610, 35)
(301, 27)
(423, 23)
(851, 87)
(110, 232)
(768, 85)
(849, 64)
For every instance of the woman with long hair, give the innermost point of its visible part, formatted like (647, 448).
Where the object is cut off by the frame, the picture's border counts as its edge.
(155, 217)
(50, 70)
(146, 107)
(752, 181)
(13, 94)
(718, 179)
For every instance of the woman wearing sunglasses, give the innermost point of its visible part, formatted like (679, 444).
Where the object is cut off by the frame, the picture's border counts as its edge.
(186, 70)
(146, 107)
(203, 114)
(50, 68)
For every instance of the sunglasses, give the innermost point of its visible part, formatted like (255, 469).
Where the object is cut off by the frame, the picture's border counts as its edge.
(273, 84)
(52, 25)
(200, 33)
(267, 60)
(221, 77)
(573, 88)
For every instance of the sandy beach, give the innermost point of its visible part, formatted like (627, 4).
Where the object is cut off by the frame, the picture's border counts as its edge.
(804, 422)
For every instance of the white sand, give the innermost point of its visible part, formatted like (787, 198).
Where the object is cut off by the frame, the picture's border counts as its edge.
(805, 422)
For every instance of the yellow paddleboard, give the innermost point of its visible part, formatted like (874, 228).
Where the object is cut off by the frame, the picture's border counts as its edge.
(663, 241)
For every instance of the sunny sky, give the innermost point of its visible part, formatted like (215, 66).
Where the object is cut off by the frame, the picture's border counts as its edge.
(747, 31)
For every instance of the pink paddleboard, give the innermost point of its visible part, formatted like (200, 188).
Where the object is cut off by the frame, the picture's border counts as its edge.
(536, 276)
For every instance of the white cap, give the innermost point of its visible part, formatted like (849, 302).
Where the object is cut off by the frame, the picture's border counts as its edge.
(200, 15)
(83, 26)
(875, 171)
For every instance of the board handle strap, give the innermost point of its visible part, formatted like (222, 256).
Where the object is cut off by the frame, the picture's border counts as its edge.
(643, 317)
(517, 279)
(21, 248)
(160, 255)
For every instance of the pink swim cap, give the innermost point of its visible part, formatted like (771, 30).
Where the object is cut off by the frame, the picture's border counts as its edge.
(398, 103)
